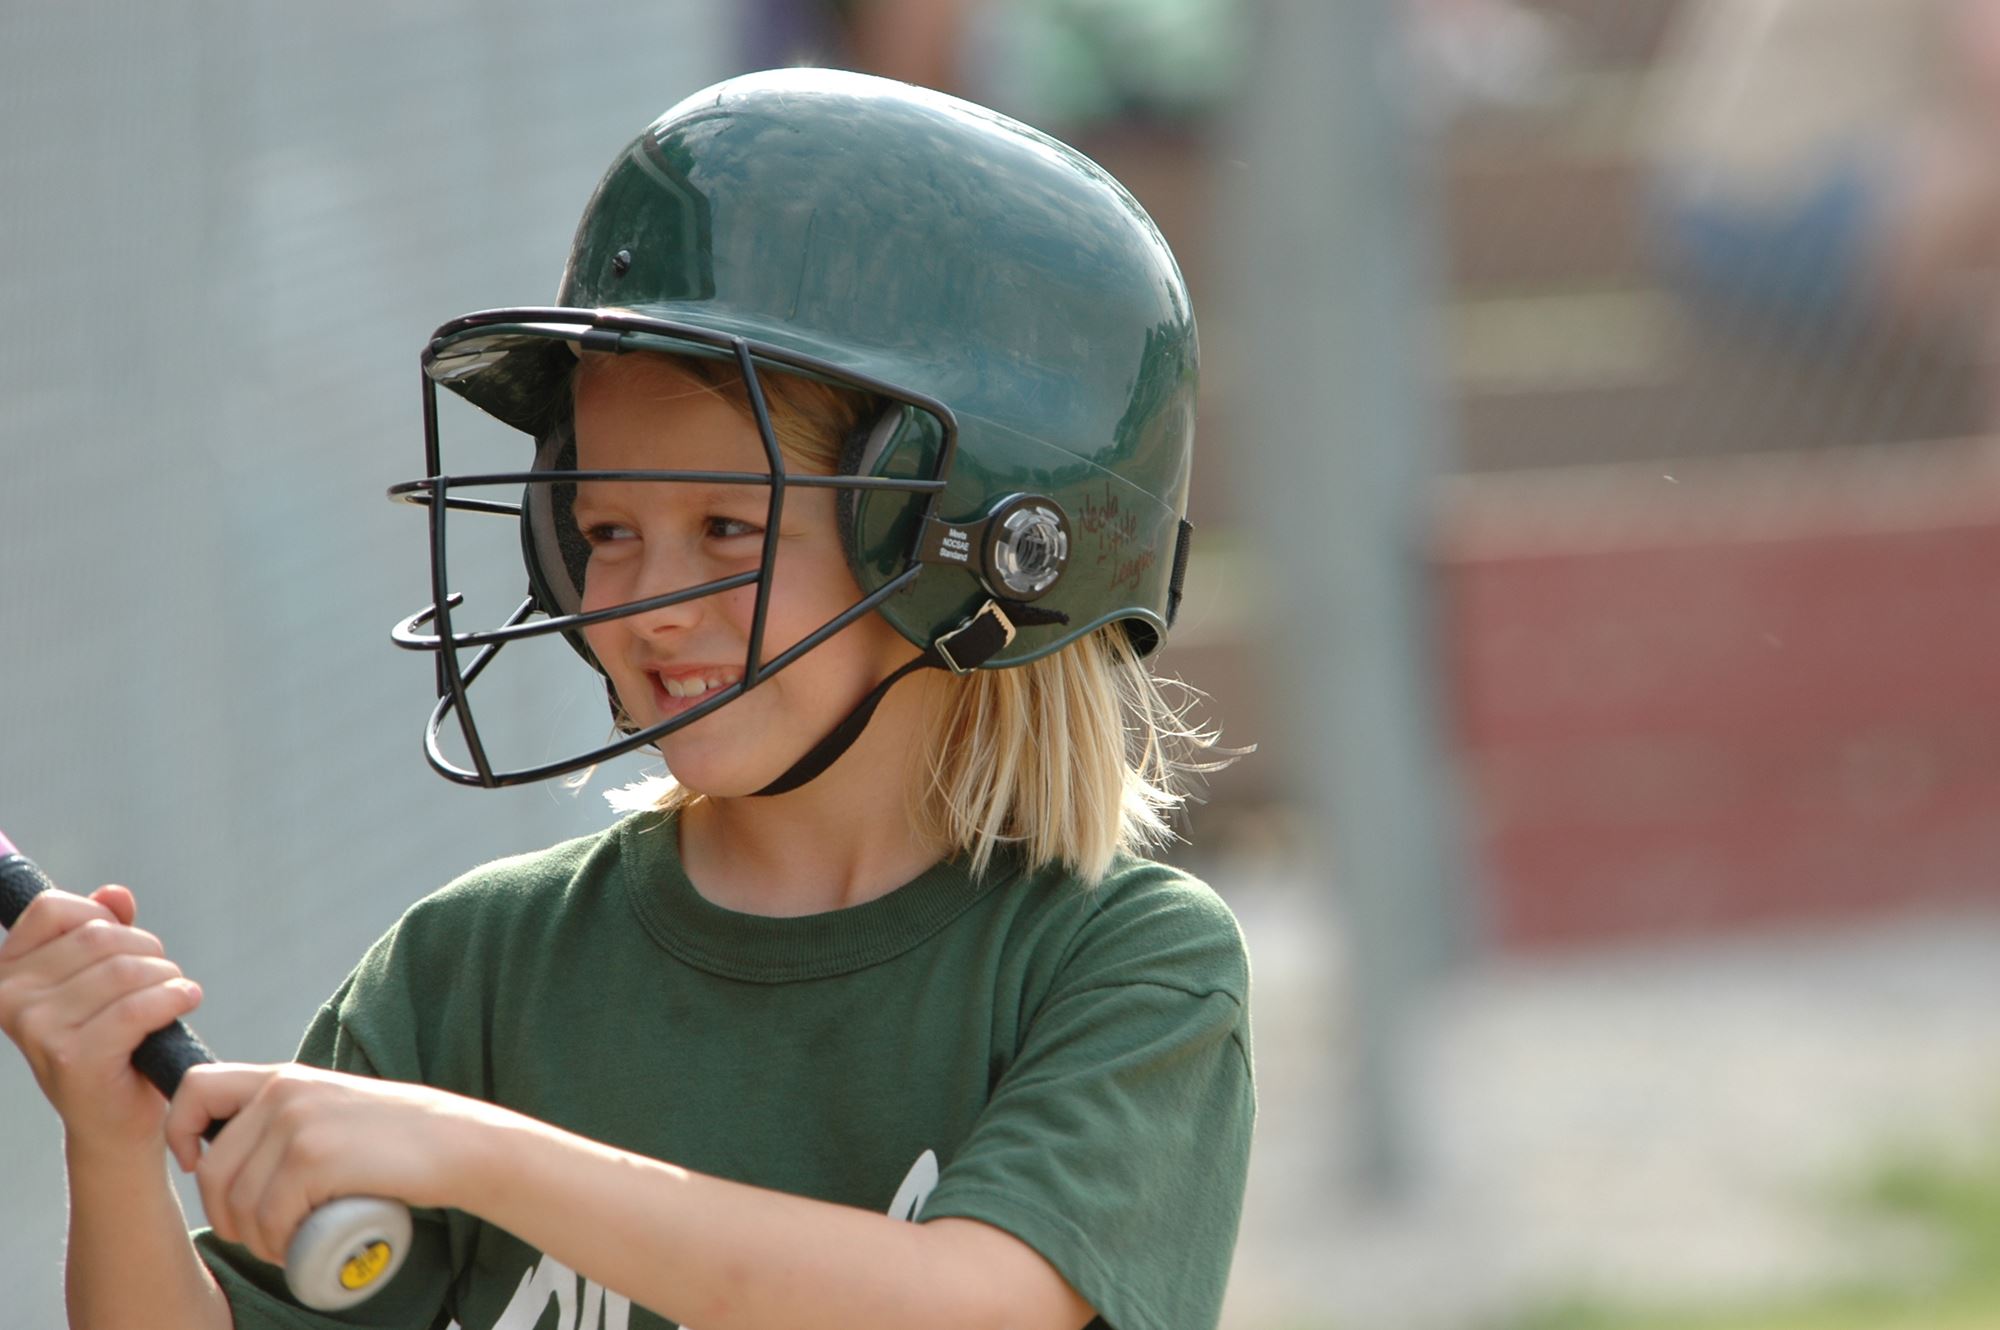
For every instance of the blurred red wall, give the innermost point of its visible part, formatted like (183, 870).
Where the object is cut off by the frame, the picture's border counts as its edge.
(1759, 690)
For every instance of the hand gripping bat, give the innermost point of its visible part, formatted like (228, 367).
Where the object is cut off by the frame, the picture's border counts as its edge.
(346, 1250)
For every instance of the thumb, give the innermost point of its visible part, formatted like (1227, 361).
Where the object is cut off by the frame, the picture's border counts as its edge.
(118, 900)
(213, 1092)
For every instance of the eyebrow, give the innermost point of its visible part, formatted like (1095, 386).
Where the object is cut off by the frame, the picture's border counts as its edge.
(736, 500)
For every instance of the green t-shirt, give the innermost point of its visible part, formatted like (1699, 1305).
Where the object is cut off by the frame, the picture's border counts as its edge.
(1071, 1066)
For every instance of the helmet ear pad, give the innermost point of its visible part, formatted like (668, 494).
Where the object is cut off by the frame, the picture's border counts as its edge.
(552, 545)
(879, 528)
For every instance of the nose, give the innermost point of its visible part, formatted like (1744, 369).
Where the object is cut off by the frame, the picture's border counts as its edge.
(657, 568)
(664, 569)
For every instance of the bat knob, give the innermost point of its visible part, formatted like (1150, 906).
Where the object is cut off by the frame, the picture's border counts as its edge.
(347, 1251)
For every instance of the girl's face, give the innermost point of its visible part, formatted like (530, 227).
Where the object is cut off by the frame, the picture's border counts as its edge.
(648, 538)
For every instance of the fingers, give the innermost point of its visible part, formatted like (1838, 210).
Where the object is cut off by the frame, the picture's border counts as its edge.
(50, 915)
(216, 1092)
(254, 1178)
(90, 943)
(300, 1136)
(81, 975)
(79, 989)
(266, 1193)
(80, 1034)
(113, 1004)
(119, 900)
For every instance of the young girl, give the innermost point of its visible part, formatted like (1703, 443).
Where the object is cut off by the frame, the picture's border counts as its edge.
(860, 453)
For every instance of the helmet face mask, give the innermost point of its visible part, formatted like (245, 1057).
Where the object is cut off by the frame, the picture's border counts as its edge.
(1012, 312)
(553, 550)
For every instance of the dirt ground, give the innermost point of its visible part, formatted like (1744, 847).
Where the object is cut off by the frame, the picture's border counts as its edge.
(1643, 1124)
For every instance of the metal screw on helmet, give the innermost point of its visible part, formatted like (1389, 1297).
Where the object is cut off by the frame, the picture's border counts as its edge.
(1027, 544)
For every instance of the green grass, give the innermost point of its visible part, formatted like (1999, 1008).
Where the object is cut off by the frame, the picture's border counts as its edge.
(1957, 1202)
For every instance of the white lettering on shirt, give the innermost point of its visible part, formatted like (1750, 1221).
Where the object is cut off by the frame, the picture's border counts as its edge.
(602, 1309)
(918, 1184)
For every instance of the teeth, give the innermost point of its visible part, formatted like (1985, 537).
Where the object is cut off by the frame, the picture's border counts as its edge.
(690, 687)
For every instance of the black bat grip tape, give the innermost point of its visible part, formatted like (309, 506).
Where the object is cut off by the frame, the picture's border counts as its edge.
(164, 1056)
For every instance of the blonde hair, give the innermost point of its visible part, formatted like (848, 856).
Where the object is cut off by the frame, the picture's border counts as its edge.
(1073, 758)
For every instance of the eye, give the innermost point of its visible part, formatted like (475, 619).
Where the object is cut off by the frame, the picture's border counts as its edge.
(731, 528)
(598, 534)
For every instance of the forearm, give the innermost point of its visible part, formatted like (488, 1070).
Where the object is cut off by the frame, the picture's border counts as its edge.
(131, 1262)
(726, 1256)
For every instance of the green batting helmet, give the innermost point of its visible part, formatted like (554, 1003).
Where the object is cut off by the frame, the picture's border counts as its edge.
(1011, 307)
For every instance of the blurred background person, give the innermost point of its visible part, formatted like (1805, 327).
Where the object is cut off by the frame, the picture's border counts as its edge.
(1470, 54)
(916, 41)
(1830, 169)
(1064, 65)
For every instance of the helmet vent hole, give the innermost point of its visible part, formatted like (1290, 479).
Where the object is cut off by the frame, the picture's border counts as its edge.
(621, 263)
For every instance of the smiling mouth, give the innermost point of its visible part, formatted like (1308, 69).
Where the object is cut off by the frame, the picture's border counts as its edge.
(673, 696)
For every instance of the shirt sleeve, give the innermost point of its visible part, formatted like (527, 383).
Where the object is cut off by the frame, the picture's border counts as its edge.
(1117, 1142)
(415, 1297)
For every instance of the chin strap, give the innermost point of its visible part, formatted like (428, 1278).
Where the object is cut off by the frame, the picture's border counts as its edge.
(962, 650)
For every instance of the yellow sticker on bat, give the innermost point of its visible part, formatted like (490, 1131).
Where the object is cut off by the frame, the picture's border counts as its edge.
(365, 1266)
